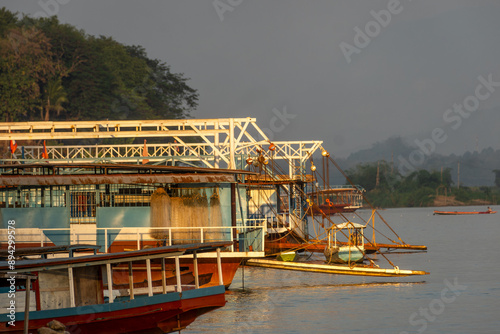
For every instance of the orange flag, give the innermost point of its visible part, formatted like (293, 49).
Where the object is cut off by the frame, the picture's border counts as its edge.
(45, 155)
(13, 146)
(145, 153)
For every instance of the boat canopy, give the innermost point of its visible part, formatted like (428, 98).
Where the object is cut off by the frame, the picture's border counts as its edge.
(348, 225)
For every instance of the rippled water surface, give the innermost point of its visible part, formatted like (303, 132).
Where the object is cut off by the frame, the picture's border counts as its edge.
(461, 294)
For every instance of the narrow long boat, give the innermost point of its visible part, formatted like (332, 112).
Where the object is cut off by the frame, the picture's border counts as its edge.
(437, 212)
(80, 293)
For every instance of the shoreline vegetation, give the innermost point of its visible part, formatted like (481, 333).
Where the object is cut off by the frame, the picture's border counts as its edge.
(387, 188)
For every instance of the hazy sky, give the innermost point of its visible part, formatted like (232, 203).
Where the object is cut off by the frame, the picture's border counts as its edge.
(350, 73)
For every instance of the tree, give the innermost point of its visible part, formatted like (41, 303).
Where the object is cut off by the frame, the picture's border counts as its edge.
(54, 97)
(497, 177)
(25, 64)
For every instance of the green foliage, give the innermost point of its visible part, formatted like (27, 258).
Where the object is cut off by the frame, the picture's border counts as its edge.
(417, 189)
(47, 67)
(497, 177)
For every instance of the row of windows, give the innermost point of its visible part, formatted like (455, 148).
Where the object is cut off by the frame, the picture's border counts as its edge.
(82, 199)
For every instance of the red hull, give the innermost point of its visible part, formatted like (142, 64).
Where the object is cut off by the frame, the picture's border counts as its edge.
(436, 212)
(156, 318)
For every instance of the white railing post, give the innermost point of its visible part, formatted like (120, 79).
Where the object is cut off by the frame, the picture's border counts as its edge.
(71, 287)
(138, 241)
(150, 283)
(263, 238)
(170, 237)
(219, 267)
(110, 281)
(201, 233)
(105, 240)
(195, 266)
(178, 274)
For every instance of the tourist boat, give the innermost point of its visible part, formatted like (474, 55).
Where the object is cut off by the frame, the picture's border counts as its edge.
(489, 211)
(352, 250)
(122, 207)
(334, 200)
(80, 292)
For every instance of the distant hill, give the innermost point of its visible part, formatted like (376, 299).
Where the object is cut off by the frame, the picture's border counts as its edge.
(476, 168)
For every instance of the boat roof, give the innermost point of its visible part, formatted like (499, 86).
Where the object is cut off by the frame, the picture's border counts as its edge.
(120, 257)
(347, 225)
(94, 173)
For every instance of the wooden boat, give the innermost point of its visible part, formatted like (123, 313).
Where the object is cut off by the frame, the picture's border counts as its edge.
(352, 250)
(79, 292)
(489, 211)
(109, 205)
(335, 200)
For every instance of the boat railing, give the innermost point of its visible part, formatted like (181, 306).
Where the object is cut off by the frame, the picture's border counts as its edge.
(108, 262)
(251, 236)
(343, 186)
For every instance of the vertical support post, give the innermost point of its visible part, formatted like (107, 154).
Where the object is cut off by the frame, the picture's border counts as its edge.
(71, 287)
(216, 143)
(138, 241)
(105, 240)
(27, 305)
(163, 278)
(195, 266)
(130, 280)
(178, 274)
(231, 144)
(41, 238)
(233, 211)
(150, 279)
(201, 236)
(170, 236)
(110, 282)
(219, 267)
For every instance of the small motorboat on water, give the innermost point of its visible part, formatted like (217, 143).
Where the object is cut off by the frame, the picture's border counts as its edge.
(287, 256)
(353, 250)
(488, 211)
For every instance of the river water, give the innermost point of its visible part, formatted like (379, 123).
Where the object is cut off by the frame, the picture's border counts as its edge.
(461, 294)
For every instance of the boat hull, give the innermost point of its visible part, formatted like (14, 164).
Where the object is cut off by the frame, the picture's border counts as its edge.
(436, 212)
(163, 313)
(287, 256)
(344, 254)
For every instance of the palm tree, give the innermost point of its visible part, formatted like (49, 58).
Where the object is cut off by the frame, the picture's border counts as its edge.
(55, 96)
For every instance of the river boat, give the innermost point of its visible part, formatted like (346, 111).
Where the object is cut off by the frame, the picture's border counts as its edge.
(353, 250)
(80, 292)
(487, 212)
(121, 207)
(335, 200)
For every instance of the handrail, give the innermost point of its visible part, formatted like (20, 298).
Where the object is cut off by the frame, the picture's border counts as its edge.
(139, 233)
